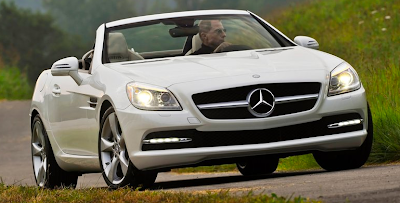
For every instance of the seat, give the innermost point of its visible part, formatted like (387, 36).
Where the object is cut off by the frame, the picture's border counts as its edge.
(118, 50)
(196, 44)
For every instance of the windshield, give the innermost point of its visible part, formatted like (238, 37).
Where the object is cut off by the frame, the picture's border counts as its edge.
(187, 36)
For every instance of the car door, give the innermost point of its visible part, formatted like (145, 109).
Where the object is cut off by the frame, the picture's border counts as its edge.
(72, 114)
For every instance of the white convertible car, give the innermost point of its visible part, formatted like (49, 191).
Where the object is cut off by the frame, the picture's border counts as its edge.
(195, 88)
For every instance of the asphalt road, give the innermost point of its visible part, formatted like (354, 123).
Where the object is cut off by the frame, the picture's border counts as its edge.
(367, 184)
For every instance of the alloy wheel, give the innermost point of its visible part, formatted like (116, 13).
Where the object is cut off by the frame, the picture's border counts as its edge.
(39, 156)
(114, 157)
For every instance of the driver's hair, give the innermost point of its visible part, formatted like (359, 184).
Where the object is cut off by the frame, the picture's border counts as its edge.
(204, 26)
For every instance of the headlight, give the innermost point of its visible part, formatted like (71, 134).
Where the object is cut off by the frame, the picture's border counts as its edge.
(149, 97)
(343, 79)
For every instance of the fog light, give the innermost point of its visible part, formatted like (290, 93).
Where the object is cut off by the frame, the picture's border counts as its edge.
(166, 140)
(345, 123)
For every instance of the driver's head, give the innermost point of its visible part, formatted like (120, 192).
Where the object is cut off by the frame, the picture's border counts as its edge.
(212, 33)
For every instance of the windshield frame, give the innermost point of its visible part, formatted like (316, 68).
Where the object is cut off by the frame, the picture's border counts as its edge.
(281, 40)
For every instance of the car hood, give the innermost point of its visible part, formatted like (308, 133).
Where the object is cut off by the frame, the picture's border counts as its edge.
(168, 71)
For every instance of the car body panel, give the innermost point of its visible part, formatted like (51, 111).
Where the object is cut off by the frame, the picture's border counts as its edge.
(166, 72)
(73, 122)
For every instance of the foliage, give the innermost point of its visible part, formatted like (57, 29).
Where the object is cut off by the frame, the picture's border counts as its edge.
(83, 17)
(30, 42)
(255, 6)
(34, 194)
(365, 34)
(14, 84)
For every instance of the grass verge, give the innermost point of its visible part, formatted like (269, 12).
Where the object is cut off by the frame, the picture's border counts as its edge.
(14, 85)
(365, 34)
(292, 163)
(34, 194)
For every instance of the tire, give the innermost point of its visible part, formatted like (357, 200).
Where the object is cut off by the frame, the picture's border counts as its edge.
(45, 168)
(118, 170)
(260, 165)
(348, 159)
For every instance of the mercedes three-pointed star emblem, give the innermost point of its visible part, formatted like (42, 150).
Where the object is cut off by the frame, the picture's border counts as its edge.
(261, 102)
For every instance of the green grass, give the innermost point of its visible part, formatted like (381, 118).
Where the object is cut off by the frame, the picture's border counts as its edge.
(292, 163)
(34, 194)
(207, 169)
(297, 163)
(14, 85)
(365, 34)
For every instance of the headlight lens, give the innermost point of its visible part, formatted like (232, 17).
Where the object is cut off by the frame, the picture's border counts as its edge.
(343, 79)
(149, 97)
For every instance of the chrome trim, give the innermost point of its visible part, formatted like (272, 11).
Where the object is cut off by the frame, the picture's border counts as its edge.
(337, 125)
(261, 101)
(282, 100)
(221, 105)
(244, 103)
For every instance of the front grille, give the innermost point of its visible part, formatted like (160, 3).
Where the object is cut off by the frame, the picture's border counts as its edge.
(240, 94)
(229, 138)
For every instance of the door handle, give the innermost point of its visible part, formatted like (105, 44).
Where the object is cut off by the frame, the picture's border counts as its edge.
(56, 91)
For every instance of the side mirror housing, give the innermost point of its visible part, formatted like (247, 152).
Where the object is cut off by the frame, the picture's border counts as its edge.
(307, 42)
(67, 67)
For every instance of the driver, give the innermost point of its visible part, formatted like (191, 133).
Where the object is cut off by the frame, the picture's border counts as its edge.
(212, 34)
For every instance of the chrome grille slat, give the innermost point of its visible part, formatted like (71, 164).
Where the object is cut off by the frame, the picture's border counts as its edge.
(234, 104)
(281, 100)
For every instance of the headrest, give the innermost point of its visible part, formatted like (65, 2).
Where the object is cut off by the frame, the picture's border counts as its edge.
(117, 46)
(196, 42)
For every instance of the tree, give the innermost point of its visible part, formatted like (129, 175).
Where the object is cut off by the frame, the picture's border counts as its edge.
(83, 17)
(31, 41)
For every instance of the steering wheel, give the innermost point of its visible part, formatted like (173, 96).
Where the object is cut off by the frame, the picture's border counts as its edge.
(85, 57)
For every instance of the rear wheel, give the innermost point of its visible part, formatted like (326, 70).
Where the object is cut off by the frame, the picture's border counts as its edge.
(348, 159)
(45, 168)
(118, 171)
(258, 166)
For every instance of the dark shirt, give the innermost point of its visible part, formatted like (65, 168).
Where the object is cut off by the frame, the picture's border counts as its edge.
(203, 50)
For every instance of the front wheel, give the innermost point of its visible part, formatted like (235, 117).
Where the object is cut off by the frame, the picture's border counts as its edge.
(258, 166)
(348, 159)
(118, 170)
(45, 168)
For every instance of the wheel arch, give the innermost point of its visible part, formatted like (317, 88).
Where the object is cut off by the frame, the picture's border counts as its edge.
(33, 115)
(104, 106)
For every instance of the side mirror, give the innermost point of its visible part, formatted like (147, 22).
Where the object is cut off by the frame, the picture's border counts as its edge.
(307, 42)
(67, 67)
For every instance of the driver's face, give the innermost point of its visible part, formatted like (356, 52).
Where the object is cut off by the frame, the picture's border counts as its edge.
(216, 35)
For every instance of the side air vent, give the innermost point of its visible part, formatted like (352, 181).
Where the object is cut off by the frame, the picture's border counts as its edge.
(62, 66)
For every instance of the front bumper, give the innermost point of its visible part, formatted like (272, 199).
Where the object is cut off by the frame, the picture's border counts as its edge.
(137, 124)
(176, 157)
